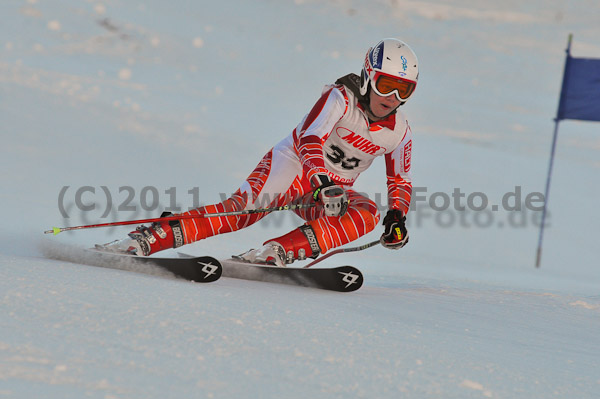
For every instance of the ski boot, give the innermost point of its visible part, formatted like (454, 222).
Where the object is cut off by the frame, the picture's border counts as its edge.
(148, 240)
(271, 253)
(295, 245)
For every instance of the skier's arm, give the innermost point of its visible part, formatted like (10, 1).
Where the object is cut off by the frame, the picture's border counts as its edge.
(314, 130)
(399, 185)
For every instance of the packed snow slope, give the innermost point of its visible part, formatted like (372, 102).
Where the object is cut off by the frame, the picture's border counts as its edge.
(114, 110)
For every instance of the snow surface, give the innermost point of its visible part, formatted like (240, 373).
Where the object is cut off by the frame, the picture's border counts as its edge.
(189, 96)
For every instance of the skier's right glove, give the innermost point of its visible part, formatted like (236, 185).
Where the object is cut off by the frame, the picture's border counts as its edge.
(332, 197)
(395, 235)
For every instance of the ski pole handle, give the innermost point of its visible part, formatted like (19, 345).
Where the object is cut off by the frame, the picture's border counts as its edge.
(291, 207)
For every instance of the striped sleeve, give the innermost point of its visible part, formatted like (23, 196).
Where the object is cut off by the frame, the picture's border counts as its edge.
(399, 182)
(313, 131)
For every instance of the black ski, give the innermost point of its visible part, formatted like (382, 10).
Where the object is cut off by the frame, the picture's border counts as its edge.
(342, 278)
(202, 269)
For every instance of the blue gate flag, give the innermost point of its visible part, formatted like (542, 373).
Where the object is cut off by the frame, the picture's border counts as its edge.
(580, 93)
(579, 99)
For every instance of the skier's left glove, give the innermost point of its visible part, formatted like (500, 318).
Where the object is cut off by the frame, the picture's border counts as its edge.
(332, 197)
(395, 235)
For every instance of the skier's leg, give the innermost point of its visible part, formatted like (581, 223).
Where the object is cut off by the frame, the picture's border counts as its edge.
(319, 234)
(361, 218)
(274, 182)
(275, 174)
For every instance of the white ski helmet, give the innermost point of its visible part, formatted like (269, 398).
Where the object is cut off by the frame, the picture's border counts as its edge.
(390, 67)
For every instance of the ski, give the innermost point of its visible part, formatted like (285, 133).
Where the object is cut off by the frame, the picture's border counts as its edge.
(341, 278)
(202, 269)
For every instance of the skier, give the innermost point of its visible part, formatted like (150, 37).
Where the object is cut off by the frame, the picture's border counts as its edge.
(355, 120)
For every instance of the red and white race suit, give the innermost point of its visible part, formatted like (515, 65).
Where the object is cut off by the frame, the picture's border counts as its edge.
(337, 139)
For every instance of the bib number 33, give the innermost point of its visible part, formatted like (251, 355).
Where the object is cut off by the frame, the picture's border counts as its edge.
(337, 156)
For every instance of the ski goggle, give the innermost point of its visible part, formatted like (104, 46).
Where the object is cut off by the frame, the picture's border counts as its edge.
(385, 85)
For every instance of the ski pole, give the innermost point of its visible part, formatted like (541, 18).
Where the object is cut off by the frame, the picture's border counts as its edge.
(342, 250)
(291, 207)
